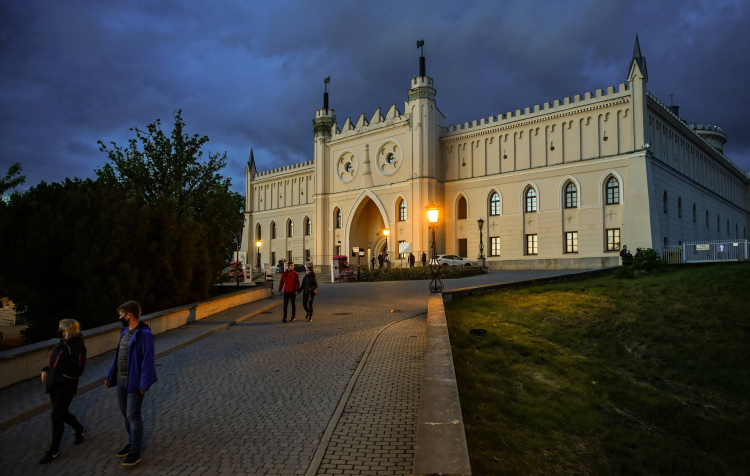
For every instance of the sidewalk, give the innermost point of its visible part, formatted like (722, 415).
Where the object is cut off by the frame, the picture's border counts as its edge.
(25, 399)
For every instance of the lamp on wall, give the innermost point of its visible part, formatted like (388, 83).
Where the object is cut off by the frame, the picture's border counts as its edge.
(436, 285)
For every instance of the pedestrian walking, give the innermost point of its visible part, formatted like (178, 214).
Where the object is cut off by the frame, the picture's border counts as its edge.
(289, 285)
(381, 259)
(627, 257)
(309, 290)
(424, 259)
(66, 364)
(412, 260)
(132, 373)
(372, 261)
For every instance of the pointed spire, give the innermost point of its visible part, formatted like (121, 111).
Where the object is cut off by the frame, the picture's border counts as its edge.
(251, 163)
(638, 59)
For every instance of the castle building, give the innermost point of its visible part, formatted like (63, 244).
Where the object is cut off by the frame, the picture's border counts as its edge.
(558, 185)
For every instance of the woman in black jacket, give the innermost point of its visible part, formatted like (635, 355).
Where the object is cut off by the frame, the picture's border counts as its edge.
(309, 288)
(66, 364)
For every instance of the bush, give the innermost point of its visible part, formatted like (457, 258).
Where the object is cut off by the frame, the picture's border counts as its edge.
(648, 260)
(624, 272)
(421, 272)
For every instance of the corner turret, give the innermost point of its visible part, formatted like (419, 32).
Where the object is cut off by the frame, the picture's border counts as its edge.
(324, 118)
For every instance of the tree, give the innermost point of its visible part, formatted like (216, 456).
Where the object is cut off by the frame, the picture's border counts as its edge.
(11, 181)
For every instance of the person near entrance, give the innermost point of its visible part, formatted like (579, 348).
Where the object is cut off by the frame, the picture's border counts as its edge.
(424, 259)
(132, 372)
(309, 288)
(372, 262)
(66, 364)
(289, 286)
(412, 260)
(381, 259)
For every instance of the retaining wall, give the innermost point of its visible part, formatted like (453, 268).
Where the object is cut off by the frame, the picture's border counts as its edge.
(27, 361)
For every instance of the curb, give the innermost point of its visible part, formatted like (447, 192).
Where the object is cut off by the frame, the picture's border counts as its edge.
(28, 414)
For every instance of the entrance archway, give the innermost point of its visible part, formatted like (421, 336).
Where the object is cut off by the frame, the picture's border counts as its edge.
(365, 224)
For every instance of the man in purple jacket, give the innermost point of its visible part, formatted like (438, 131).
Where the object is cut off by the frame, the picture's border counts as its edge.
(133, 371)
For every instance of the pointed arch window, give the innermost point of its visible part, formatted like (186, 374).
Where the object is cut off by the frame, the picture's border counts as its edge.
(308, 226)
(462, 212)
(258, 234)
(571, 195)
(613, 191)
(290, 228)
(402, 210)
(494, 204)
(337, 218)
(530, 200)
(273, 230)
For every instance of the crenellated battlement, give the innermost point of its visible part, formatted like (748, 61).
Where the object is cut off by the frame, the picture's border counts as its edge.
(287, 169)
(566, 105)
(377, 121)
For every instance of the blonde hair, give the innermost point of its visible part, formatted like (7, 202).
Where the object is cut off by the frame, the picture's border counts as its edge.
(71, 327)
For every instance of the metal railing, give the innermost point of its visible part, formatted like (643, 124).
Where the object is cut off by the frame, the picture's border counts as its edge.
(706, 251)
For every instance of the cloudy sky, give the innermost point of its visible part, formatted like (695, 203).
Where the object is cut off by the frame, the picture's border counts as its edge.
(250, 74)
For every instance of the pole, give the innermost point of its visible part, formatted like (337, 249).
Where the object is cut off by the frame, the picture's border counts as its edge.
(237, 265)
(358, 260)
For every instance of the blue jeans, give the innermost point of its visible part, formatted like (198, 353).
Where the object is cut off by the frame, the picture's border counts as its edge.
(130, 406)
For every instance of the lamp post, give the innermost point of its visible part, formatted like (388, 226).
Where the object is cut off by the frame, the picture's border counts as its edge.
(237, 265)
(436, 285)
(386, 232)
(480, 258)
(258, 244)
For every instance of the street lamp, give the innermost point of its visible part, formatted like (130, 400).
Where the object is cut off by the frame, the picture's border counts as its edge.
(258, 244)
(436, 285)
(386, 232)
(480, 222)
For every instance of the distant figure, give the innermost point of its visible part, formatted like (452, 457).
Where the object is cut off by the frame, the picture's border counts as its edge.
(289, 285)
(66, 364)
(372, 262)
(132, 372)
(309, 288)
(381, 259)
(627, 258)
(424, 259)
(412, 260)
(280, 266)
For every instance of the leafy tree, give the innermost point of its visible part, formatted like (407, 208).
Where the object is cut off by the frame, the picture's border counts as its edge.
(11, 181)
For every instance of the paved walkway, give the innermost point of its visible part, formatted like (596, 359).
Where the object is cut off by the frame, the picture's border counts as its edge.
(257, 397)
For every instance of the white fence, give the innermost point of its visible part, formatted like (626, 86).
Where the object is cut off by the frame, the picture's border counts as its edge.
(706, 251)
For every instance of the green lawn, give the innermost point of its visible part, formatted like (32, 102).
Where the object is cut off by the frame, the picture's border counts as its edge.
(607, 376)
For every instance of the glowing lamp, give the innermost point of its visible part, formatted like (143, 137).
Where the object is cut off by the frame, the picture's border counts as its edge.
(432, 213)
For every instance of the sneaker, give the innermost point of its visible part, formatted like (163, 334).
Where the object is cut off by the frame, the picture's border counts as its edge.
(79, 437)
(123, 452)
(49, 456)
(132, 459)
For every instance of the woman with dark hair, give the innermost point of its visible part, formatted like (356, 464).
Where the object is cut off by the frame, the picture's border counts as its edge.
(309, 290)
(66, 364)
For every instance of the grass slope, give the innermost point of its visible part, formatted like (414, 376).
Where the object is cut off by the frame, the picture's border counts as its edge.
(607, 376)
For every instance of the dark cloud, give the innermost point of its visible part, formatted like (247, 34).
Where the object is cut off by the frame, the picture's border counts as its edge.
(250, 75)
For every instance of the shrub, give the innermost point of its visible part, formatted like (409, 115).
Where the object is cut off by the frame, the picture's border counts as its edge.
(624, 272)
(648, 260)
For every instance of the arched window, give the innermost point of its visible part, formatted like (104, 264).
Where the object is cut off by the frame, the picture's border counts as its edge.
(273, 230)
(613, 191)
(679, 207)
(402, 210)
(289, 228)
(666, 202)
(695, 214)
(308, 226)
(571, 195)
(462, 214)
(494, 204)
(258, 234)
(530, 200)
(337, 218)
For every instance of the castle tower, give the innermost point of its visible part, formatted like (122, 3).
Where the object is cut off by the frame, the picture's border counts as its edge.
(324, 121)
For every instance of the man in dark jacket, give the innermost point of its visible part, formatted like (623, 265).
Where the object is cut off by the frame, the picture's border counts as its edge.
(424, 259)
(381, 260)
(133, 371)
(289, 285)
(412, 260)
(67, 362)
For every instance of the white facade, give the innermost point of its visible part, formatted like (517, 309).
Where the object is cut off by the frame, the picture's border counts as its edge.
(384, 172)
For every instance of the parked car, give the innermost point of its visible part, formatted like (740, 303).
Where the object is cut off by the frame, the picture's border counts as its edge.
(451, 260)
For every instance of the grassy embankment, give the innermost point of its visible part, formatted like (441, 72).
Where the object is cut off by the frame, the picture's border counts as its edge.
(608, 376)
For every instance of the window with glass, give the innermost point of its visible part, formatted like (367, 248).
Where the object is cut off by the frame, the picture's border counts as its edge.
(273, 229)
(571, 242)
(307, 255)
(308, 227)
(402, 210)
(462, 214)
(530, 201)
(571, 195)
(495, 204)
(290, 228)
(613, 239)
(338, 250)
(495, 246)
(613, 191)
(337, 217)
(531, 242)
